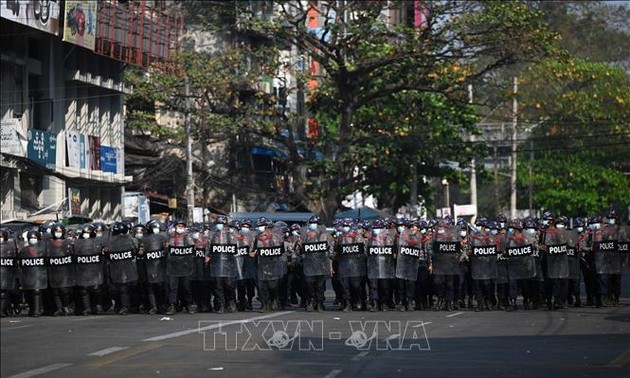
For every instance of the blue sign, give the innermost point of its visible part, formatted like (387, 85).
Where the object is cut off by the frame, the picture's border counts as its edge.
(42, 148)
(109, 159)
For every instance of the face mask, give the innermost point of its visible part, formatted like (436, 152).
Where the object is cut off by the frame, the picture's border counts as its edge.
(1, 240)
(462, 233)
(195, 235)
(261, 228)
(487, 230)
(545, 222)
(156, 230)
(219, 227)
(530, 231)
(510, 230)
(32, 241)
(86, 236)
(502, 225)
(99, 234)
(597, 226)
(245, 230)
(48, 231)
(180, 230)
(58, 235)
(560, 225)
(580, 229)
(312, 226)
(400, 229)
(345, 229)
(494, 232)
(441, 231)
(377, 231)
(611, 221)
(424, 230)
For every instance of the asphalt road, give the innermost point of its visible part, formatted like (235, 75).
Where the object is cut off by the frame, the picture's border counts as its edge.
(576, 342)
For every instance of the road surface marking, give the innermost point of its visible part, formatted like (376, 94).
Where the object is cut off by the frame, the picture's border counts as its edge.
(22, 326)
(621, 360)
(360, 356)
(126, 354)
(333, 373)
(215, 326)
(41, 370)
(107, 351)
(452, 315)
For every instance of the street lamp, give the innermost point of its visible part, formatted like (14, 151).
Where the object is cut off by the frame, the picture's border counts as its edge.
(446, 193)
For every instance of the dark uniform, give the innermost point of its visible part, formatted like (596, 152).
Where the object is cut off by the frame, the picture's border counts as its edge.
(180, 257)
(8, 270)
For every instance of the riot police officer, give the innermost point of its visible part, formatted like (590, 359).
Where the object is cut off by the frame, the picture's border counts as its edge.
(380, 266)
(61, 269)
(89, 269)
(180, 256)
(222, 253)
(153, 268)
(33, 272)
(316, 253)
(245, 266)
(268, 248)
(8, 270)
(122, 251)
(352, 264)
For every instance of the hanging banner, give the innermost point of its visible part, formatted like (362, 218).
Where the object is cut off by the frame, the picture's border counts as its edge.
(74, 201)
(73, 149)
(39, 14)
(79, 25)
(12, 142)
(95, 152)
(84, 152)
(109, 159)
(42, 148)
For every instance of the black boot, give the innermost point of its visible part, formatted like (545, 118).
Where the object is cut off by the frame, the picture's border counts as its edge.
(58, 305)
(85, 302)
(310, 306)
(370, 306)
(320, 307)
(171, 310)
(124, 301)
(264, 307)
(37, 303)
(232, 307)
(345, 306)
(4, 304)
(153, 309)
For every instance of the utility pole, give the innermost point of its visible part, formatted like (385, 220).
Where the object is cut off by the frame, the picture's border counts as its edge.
(514, 135)
(473, 169)
(190, 186)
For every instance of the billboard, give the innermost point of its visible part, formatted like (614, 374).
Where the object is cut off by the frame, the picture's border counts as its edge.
(79, 26)
(39, 14)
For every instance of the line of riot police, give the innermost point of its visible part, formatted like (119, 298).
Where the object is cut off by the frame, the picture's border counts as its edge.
(377, 266)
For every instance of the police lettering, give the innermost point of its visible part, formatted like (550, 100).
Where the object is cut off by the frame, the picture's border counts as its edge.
(571, 252)
(350, 248)
(410, 251)
(242, 251)
(33, 262)
(264, 252)
(485, 251)
(447, 247)
(623, 247)
(607, 246)
(121, 255)
(389, 250)
(154, 255)
(224, 248)
(315, 247)
(558, 249)
(181, 251)
(93, 259)
(56, 261)
(519, 251)
(7, 262)
(200, 253)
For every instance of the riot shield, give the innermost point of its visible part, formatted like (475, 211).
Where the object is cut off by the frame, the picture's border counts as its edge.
(606, 252)
(556, 255)
(380, 251)
(352, 260)
(222, 260)
(408, 258)
(201, 270)
(446, 252)
(180, 260)
(315, 251)
(154, 257)
(245, 264)
(61, 268)
(89, 262)
(122, 259)
(520, 257)
(8, 265)
(33, 267)
(271, 265)
(483, 259)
